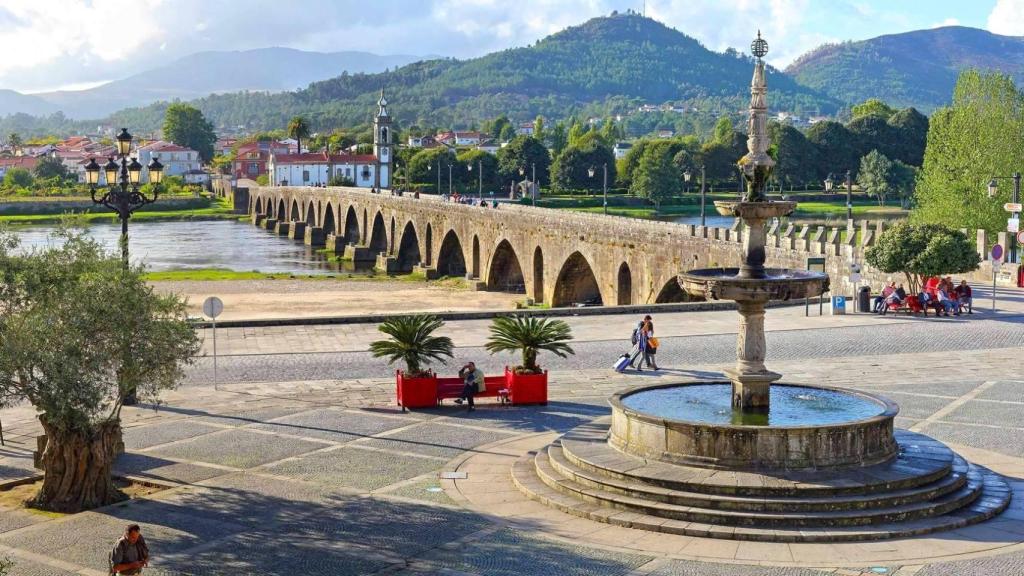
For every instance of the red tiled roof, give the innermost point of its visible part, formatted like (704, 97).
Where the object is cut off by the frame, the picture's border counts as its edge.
(27, 162)
(324, 158)
(161, 146)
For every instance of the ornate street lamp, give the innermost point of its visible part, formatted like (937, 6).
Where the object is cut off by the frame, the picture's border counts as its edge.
(122, 179)
(591, 172)
(993, 189)
(480, 174)
(830, 183)
(686, 177)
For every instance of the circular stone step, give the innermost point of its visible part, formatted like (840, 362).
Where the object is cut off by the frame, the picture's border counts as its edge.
(793, 519)
(953, 481)
(921, 461)
(994, 498)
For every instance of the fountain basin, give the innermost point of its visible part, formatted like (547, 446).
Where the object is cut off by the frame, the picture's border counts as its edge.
(778, 284)
(846, 429)
(755, 210)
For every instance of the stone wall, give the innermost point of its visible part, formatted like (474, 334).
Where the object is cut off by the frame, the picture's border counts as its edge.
(558, 257)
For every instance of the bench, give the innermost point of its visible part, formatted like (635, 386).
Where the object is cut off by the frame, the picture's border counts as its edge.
(496, 387)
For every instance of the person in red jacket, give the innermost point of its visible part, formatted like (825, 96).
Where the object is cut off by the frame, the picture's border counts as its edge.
(963, 296)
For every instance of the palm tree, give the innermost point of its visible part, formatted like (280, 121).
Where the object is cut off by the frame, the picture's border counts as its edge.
(411, 341)
(529, 336)
(298, 128)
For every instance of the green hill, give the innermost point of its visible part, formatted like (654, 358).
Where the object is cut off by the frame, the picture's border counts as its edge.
(603, 66)
(916, 68)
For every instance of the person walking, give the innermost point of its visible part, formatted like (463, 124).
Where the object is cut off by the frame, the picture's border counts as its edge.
(130, 554)
(639, 344)
(652, 344)
(473, 382)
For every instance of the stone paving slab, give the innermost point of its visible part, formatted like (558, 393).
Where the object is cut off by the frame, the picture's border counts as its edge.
(436, 439)
(354, 467)
(26, 567)
(237, 448)
(1005, 440)
(333, 425)
(139, 437)
(428, 490)
(149, 467)
(1004, 391)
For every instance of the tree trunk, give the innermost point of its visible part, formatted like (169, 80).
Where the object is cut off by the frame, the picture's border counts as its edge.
(76, 468)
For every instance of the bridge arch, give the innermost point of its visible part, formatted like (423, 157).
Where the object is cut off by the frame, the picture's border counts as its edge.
(505, 273)
(310, 215)
(282, 212)
(476, 257)
(294, 216)
(671, 292)
(429, 248)
(624, 288)
(451, 260)
(366, 228)
(258, 206)
(329, 226)
(378, 235)
(409, 254)
(391, 237)
(576, 283)
(351, 226)
(538, 275)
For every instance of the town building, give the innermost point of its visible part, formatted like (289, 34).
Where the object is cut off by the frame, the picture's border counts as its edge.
(252, 159)
(525, 129)
(422, 142)
(9, 162)
(457, 138)
(491, 146)
(666, 133)
(319, 168)
(177, 160)
(621, 149)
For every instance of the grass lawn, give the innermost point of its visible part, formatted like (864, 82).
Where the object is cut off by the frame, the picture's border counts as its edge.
(221, 209)
(804, 210)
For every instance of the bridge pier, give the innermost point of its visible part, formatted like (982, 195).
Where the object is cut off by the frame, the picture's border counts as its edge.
(281, 228)
(270, 223)
(430, 272)
(386, 264)
(360, 254)
(297, 231)
(335, 244)
(314, 236)
(257, 219)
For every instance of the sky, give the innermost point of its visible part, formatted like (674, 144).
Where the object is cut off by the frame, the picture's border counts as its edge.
(52, 44)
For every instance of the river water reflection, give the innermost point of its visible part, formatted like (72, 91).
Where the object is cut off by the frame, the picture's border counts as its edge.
(225, 244)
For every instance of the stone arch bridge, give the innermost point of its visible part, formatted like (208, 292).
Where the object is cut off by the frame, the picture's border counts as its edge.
(556, 257)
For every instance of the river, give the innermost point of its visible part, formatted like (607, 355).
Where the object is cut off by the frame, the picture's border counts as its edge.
(225, 244)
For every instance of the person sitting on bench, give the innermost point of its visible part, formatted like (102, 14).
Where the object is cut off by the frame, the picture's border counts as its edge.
(897, 297)
(882, 300)
(963, 296)
(473, 382)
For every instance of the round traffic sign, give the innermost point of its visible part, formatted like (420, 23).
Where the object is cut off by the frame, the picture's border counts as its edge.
(1020, 237)
(213, 306)
(997, 252)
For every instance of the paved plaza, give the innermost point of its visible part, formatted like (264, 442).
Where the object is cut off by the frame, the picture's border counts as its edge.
(300, 463)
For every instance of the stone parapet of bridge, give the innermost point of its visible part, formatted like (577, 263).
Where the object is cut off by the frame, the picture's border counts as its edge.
(553, 256)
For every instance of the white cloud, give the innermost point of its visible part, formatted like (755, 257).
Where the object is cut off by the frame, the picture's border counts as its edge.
(1007, 17)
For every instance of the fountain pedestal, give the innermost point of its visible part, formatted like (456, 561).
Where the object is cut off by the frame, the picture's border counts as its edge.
(751, 381)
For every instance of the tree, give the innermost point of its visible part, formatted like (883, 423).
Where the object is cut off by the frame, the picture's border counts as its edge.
(558, 139)
(51, 167)
(837, 148)
(529, 336)
(185, 126)
(656, 177)
(411, 340)
(508, 132)
(912, 135)
(64, 351)
(298, 128)
(423, 167)
(872, 106)
(524, 152)
(872, 132)
(920, 251)
(17, 178)
(723, 130)
(795, 157)
(876, 176)
(904, 179)
(538, 128)
(471, 178)
(976, 137)
(494, 127)
(570, 171)
(14, 141)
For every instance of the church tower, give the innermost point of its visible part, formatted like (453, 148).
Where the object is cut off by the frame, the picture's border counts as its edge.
(382, 146)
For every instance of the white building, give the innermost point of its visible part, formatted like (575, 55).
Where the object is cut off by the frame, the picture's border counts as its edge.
(621, 149)
(318, 168)
(177, 160)
(490, 146)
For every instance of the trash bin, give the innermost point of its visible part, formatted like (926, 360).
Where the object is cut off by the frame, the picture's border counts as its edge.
(864, 299)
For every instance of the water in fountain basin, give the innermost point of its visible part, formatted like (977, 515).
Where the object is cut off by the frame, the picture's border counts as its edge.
(790, 405)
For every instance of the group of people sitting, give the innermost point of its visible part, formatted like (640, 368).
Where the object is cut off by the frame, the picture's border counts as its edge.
(938, 293)
(468, 200)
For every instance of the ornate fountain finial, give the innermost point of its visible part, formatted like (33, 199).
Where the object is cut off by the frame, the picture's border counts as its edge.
(757, 164)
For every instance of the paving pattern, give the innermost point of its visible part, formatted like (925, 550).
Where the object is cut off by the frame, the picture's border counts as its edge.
(301, 463)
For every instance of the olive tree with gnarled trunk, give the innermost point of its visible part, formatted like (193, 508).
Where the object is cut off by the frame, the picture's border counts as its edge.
(76, 333)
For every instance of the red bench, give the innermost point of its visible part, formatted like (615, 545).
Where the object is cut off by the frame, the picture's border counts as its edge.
(429, 391)
(496, 387)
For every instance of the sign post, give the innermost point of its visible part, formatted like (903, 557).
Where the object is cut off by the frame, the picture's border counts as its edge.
(814, 265)
(212, 307)
(997, 262)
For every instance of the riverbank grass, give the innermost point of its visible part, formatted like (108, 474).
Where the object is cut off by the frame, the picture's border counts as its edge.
(219, 209)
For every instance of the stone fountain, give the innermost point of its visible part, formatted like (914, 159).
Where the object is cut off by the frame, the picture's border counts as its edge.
(754, 458)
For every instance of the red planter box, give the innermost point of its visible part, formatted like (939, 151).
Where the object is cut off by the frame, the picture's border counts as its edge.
(527, 388)
(416, 392)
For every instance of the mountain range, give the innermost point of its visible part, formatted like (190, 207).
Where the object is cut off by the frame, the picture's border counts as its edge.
(607, 65)
(201, 74)
(917, 68)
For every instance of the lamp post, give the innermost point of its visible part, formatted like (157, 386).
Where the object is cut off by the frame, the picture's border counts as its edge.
(993, 188)
(686, 176)
(480, 175)
(122, 179)
(591, 172)
(830, 184)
